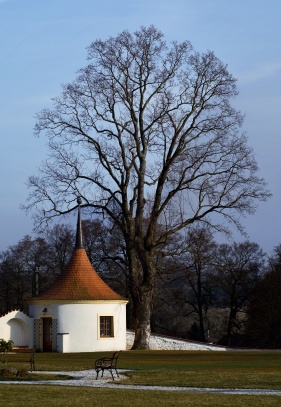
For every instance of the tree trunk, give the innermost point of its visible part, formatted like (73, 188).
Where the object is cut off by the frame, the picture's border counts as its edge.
(143, 310)
(231, 319)
(201, 324)
(142, 292)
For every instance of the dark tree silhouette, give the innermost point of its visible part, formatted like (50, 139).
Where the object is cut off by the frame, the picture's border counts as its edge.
(264, 325)
(237, 269)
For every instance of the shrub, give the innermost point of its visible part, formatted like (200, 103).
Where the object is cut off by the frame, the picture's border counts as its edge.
(8, 372)
(6, 346)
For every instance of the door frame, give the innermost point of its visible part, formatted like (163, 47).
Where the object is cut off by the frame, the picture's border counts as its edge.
(47, 334)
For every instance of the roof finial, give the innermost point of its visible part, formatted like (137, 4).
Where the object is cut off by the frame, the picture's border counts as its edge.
(79, 235)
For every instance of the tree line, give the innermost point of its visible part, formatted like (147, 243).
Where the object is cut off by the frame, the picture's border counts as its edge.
(207, 291)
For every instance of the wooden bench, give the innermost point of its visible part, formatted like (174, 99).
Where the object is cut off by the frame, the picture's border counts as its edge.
(106, 363)
(27, 355)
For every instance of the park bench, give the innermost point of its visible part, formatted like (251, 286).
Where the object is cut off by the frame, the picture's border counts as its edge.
(107, 363)
(22, 355)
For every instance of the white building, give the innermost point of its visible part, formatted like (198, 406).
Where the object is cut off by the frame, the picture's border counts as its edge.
(78, 313)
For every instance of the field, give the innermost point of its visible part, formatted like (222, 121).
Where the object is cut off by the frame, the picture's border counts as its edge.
(228, 370)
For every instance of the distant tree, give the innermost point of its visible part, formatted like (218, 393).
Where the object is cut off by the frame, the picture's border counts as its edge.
(167, 300)
(237, 269)
(60, 240)
(197, 268)
(264, 324)
(275, 258)
(147, 136)
(17, 268)
(7, 278)
(44, 256)
(184, 286)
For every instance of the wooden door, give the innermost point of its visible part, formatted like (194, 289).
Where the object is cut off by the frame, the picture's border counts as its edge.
(47, 335)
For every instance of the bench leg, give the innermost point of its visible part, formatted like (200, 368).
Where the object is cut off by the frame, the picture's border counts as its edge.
(111, 374)
(32, 363)
(111, 371)
(98, 372)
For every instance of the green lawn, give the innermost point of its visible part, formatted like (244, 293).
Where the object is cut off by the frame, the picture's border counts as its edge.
(60, 396)
(164, 368)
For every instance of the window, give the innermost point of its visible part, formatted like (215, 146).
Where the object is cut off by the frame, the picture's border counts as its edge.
(106, 327)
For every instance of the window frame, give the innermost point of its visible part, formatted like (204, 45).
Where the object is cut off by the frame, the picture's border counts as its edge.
(106, 325)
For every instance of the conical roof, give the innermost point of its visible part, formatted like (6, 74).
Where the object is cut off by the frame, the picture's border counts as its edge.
(79, 281)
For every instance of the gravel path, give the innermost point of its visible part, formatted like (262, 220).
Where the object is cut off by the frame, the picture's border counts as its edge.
(87, 378)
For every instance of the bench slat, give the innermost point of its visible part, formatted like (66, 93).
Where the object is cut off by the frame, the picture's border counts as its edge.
(25, 352)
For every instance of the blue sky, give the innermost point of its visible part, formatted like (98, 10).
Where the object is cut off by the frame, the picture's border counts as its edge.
(43, 44)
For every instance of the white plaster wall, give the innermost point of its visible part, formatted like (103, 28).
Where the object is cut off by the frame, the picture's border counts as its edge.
(17, 326)
(79, 324)
(17, 332)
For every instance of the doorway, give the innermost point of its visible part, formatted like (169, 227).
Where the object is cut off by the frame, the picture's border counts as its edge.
(47, 335)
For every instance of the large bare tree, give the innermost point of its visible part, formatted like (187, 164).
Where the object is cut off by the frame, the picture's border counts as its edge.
(146, 134)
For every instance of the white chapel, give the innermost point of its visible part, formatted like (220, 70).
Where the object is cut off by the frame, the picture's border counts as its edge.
(78, 313)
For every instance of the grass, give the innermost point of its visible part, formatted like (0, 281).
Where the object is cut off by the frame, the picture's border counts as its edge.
(165, 368)
(208, 369)
(26, 376)
(60, 396)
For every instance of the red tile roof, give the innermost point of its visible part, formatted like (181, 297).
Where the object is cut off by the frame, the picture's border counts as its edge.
(79, 282)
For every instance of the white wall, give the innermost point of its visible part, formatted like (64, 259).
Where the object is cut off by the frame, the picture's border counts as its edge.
(78, 325)
(18, 327)
(81, 323)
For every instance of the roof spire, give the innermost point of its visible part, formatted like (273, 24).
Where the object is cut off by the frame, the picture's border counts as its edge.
(79, 235)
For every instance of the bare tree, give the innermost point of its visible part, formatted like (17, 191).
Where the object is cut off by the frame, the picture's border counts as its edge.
(196, 269)
(7, 282)
(147, 132)
(264, 323)
(184, 289)
(60, 241)
(237, 269)
(17, 266)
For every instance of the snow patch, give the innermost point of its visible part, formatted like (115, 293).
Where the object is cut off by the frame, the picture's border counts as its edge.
(158, 342)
